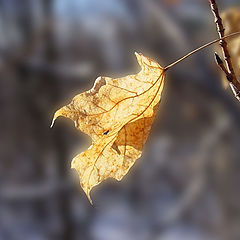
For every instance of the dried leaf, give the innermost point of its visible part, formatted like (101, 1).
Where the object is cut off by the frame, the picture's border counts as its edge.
(117, 114)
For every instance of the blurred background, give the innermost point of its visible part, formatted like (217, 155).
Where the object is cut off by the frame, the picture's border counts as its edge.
(186, 185)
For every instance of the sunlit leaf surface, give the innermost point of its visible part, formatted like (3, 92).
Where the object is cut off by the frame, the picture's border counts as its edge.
(117, 114)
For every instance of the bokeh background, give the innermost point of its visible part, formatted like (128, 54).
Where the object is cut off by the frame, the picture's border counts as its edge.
(186, 185)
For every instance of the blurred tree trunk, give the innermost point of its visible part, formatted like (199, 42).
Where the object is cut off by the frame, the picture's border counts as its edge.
(61, 201)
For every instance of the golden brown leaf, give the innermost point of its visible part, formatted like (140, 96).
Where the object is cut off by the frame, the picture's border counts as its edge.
(117, 114)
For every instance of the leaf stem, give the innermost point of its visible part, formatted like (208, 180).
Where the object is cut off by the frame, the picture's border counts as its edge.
(199, 49)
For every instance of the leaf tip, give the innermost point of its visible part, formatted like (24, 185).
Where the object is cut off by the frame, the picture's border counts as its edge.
(139, 57)
(57, 114)
(89, 199)
(138, 54)
(52, 123)
(146, 62)
(87, 190)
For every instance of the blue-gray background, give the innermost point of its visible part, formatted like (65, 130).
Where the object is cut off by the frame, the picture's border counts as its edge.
(186, 185)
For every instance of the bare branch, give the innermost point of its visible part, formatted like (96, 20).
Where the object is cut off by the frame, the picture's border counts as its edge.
(228, 70)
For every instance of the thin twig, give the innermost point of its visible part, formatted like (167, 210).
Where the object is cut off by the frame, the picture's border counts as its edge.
(198, 49)
(230, 74)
